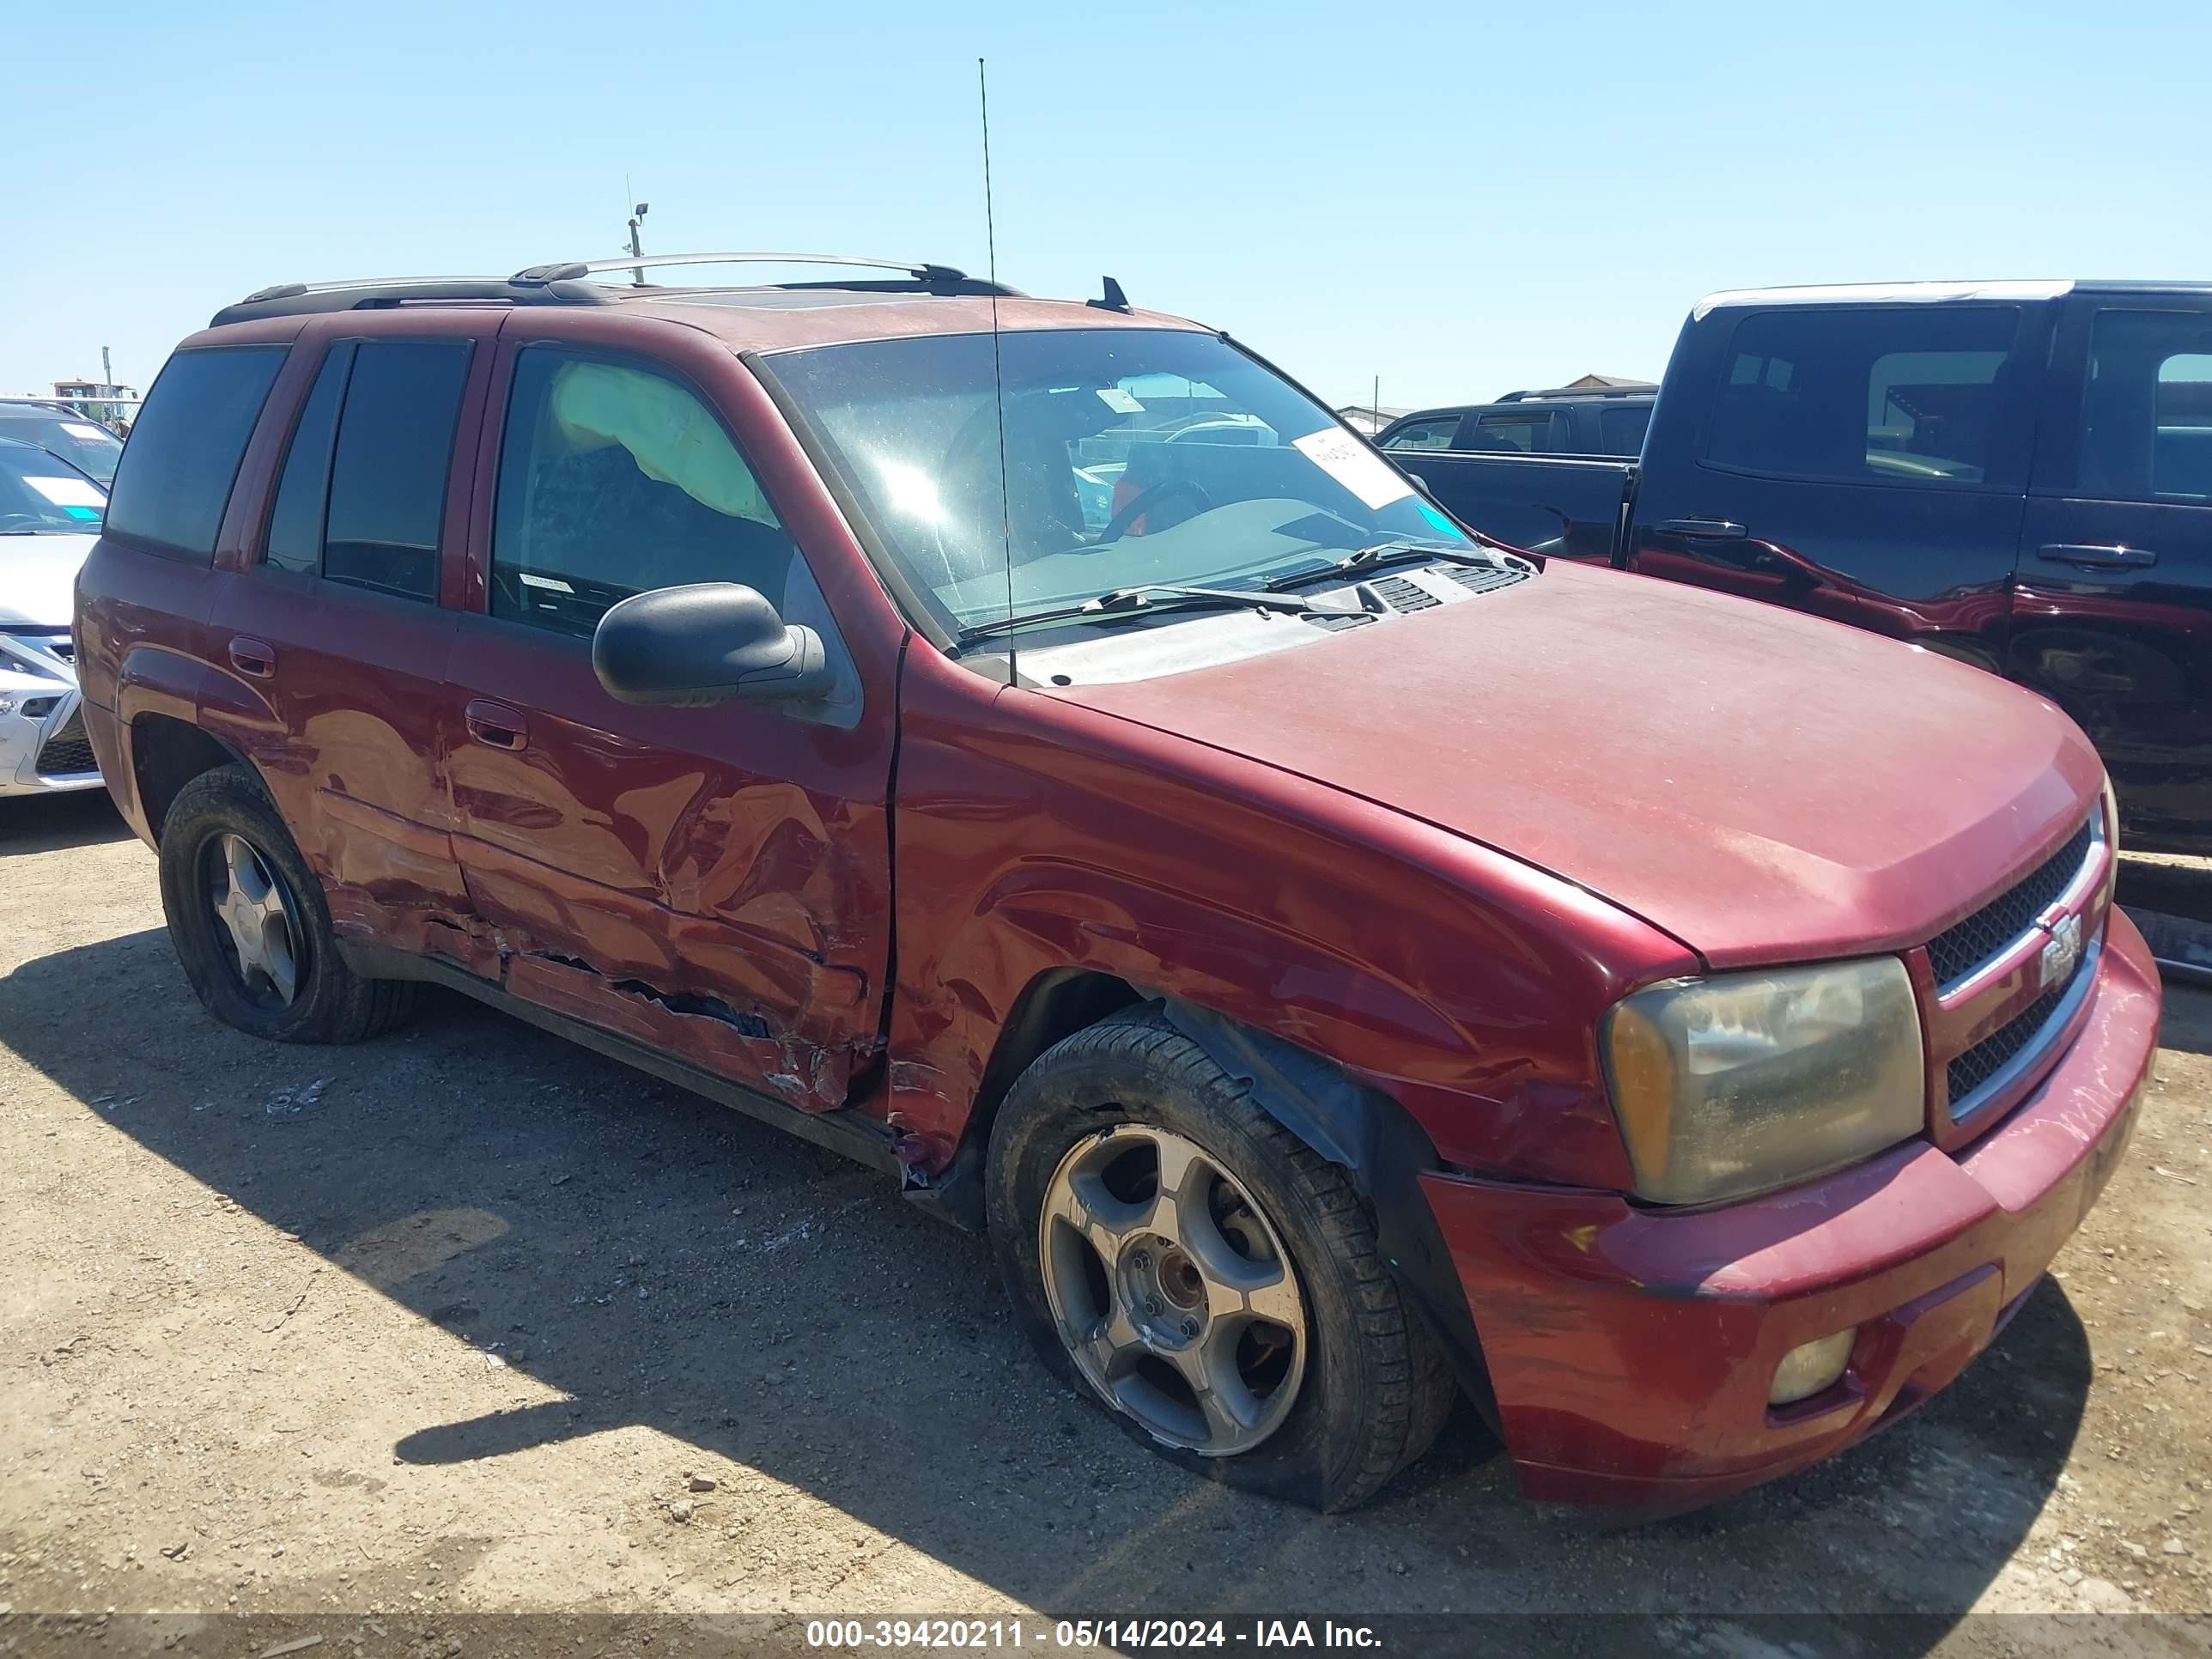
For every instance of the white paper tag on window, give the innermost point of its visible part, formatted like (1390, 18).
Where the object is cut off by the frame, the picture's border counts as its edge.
(1354, 465)
(1119, 401)
(86, 429)
(67, 492)
(551, 584)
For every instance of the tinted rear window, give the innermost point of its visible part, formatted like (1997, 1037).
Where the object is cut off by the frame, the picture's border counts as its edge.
(2145, 422)
(176, 472)
(1920, 395)
(295, 523)
(1528, 431)
(1620, 431)
(387, 490)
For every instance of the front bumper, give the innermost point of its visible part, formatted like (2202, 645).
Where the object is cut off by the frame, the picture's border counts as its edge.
(1632, 1349)
(47, 752)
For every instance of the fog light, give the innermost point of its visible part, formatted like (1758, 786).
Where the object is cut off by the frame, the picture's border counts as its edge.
(1812, 1368)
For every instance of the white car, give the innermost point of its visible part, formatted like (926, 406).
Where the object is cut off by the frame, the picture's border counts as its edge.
(50, 516)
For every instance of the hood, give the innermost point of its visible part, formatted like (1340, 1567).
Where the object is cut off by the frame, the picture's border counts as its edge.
(38, 579)
(1762, 784)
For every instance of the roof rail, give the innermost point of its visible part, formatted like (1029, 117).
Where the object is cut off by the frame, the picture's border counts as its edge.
(356, 294)
(922, 274)
(569, 283)
(920, 270)
(1567, 392)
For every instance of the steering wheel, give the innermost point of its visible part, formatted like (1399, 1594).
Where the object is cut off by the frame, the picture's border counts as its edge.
(1145, 500)
(31, 519)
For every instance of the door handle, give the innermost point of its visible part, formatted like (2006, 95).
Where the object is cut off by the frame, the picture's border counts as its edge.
(2093, 557)
(1717, 529)
(252, 656)
(496, 725)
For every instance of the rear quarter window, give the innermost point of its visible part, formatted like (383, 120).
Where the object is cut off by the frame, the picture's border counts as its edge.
(175, 476)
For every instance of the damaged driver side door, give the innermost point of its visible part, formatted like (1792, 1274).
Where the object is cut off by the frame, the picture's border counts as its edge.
(711, 882)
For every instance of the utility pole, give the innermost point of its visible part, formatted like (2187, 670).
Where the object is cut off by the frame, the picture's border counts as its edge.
(637, 272)
(1375, 407)
(106, 375)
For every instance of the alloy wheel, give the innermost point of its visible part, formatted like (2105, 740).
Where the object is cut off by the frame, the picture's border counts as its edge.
(254, 919)
(1172, 1290)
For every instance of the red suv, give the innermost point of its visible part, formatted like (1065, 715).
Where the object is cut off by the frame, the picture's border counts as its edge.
(955, 726)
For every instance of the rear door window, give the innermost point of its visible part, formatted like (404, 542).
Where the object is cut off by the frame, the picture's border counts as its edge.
(296, 522)
(1921, 395)
(1436, 434)
(2146, 424)
(1620, 431)
(175, 476)
(395, 444)
(1530, 431)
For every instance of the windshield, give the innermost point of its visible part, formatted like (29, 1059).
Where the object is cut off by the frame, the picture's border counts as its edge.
(40, 494)
(85, 445)
(1132, 456)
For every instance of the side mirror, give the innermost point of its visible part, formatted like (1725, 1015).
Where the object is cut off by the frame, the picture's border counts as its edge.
(706, 643)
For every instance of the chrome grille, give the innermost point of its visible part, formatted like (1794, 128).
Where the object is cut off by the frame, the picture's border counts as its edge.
(1976, 1074)
(1958, 949)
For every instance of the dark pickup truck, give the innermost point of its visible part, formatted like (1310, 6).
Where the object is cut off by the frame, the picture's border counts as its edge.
(2017, 474)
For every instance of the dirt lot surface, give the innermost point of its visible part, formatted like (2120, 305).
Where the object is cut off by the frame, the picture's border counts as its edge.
(465, 1320)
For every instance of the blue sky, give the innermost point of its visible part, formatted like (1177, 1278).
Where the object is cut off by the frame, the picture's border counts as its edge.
(1459, 198)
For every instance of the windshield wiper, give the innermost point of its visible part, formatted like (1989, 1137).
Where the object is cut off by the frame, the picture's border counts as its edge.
(1378, 553)
(1138, 601)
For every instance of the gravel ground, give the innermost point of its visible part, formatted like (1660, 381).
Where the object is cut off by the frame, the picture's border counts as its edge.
(469, 1320)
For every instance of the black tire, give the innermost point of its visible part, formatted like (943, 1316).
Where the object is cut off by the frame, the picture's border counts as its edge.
(331, 1003)
(1376, 1386)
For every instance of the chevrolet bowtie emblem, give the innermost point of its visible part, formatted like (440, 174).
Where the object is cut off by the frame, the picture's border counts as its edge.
(2064, 952)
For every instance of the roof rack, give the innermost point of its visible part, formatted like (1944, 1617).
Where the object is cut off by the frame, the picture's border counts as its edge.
(360, 293)
(569, 283)
(1567, 392)
(574, 271)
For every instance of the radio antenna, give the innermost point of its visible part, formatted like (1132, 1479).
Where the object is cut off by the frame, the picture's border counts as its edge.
(998, 372)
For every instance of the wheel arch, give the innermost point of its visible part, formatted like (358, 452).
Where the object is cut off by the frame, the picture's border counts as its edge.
(1377, 1143)
(1353, 1124)
(166, 753)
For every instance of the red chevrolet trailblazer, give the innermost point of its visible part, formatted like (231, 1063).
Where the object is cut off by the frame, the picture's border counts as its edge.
(1033, 747)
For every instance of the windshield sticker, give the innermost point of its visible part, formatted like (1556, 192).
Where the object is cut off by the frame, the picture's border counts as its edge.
(1439, 519)
(92, 513)
(1119, 401)
(83, 430)
(1354, 465)
(67, 492)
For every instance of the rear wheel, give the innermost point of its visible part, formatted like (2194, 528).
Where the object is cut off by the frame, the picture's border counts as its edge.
(250, 925)
(1192, 1266)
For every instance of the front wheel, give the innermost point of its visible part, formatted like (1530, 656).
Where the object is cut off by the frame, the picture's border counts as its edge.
(1189, 1264)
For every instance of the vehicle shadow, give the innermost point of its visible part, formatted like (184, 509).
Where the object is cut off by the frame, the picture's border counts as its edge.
(659, 1261)
(50, 823)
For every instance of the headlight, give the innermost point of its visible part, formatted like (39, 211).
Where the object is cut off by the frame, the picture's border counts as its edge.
(1740, 1083)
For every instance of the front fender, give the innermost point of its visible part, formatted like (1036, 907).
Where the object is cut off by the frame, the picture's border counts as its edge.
(1034, 834)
